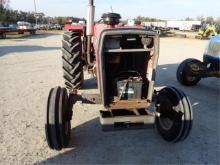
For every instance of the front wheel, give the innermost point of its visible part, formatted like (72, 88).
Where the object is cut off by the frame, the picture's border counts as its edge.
(183, 74)
(58, 116)
(175, 120)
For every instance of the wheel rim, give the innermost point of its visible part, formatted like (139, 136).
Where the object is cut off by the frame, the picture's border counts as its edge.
(166, 118)
(191, 78)
(175, 121)
(166, 123)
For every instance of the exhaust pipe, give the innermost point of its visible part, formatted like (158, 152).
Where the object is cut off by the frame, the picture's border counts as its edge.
(90, 29)
(90, 18)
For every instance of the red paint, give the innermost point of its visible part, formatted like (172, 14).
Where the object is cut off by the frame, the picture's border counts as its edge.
(70, 27)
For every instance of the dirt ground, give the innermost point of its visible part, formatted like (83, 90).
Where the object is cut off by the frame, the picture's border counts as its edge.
(30, 66)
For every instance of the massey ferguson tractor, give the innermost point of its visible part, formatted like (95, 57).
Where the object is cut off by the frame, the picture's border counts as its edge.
(124, 61)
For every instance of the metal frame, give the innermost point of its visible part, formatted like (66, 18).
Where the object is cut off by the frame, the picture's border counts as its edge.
(136, 121)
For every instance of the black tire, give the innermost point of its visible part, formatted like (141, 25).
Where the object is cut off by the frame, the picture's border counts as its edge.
(72, 60)
(176, 117)
(57, 127)
(183, 75)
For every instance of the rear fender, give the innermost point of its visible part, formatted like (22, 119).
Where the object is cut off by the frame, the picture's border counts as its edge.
(70, 27)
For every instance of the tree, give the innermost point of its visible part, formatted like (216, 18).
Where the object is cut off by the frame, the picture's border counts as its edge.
(4, 3)
(209, 19)
(200, 18)
(188, 19)
(8, 16)
(218, 20)
(146, 19)
(59, 20)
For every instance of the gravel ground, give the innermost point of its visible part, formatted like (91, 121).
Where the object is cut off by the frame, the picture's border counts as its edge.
(30, 66)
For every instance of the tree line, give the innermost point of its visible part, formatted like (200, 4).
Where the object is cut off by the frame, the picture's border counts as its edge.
(208, 19)
(8, 16)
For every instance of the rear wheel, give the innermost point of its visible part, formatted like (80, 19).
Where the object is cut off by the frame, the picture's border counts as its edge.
(183, 74)
(58, 116)
(175, 120)
(72, 60)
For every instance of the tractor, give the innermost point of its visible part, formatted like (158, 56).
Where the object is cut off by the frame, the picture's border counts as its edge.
(123, 60)
(207, 31)
(191, 70)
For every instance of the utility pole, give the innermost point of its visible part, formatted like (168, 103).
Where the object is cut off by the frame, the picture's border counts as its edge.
(2, 2)
(35, 7)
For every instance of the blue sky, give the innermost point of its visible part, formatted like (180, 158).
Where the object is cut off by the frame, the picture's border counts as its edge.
(164, 9)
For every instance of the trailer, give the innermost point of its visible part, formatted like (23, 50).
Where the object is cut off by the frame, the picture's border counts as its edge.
(183, 25)
(6, 30)
(156, 24)
(160, 26)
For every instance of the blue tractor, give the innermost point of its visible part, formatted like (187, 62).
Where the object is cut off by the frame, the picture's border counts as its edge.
(191, 71)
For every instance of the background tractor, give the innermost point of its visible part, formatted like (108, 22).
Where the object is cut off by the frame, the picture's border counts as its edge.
(207, 31)
(124, 61)
(191, 71)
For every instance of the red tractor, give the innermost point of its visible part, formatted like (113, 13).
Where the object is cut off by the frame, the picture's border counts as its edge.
(124, 60)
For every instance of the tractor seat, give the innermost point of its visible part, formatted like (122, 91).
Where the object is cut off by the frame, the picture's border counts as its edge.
(111, 18)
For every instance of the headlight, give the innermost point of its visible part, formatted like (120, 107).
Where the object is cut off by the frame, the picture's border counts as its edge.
(213, 48)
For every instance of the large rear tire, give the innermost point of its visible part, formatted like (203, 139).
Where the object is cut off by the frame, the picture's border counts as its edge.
(72, 60)
(175, 121)
(183, 74)
(58, 116)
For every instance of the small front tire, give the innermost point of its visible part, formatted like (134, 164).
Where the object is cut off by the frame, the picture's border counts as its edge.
(175, 121)
(57, 127)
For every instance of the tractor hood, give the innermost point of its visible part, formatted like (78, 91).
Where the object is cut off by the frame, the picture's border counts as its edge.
(99, 28)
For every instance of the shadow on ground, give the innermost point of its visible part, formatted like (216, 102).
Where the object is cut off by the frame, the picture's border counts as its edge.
(4, 50)
(89, 145)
